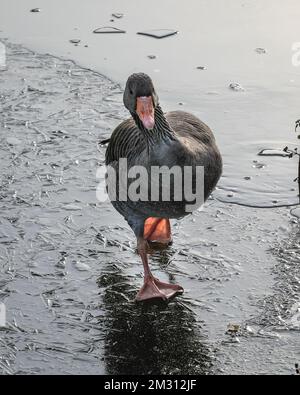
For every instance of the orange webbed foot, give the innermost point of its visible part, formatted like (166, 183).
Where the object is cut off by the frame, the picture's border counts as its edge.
(155, 289)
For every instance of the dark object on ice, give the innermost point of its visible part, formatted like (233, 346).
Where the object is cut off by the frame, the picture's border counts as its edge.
(201, 68)
(274, 152)
(75, 41)
(159, 33)
(297, 126)
(35, 10)
(108, 29)
(152, 138)
(293, 153)
(236, 87)
(260, 51)
(233, 329)
(259, 166)
(117, 15)
(151, 56)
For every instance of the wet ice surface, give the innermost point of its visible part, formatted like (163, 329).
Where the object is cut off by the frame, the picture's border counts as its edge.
(52, 114)
(68, 269)
(259, 180)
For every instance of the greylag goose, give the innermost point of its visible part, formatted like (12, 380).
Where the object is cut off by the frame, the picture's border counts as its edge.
(151, 139)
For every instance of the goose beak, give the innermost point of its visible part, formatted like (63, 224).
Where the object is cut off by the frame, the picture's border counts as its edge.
(145, 111)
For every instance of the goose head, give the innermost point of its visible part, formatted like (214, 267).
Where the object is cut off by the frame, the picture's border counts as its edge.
(141, 99)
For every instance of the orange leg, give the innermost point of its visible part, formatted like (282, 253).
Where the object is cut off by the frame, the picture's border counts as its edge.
(153, 288)
(158, 230)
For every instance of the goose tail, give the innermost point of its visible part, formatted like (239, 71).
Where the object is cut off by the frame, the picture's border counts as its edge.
(104, 142)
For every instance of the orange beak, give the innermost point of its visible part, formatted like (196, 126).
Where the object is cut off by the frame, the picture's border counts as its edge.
(145, 111)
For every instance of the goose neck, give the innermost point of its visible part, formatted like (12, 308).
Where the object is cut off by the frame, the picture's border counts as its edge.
(161, 131)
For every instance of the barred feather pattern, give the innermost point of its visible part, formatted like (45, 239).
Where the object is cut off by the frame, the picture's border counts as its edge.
(178, 138)
(130, 138)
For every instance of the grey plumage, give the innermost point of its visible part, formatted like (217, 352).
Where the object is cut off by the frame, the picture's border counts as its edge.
(177, 139)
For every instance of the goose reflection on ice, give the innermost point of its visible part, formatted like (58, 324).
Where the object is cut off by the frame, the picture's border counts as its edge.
(149, 338)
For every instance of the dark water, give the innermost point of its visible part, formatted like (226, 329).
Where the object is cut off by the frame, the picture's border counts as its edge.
(150, 339)
(68, 268)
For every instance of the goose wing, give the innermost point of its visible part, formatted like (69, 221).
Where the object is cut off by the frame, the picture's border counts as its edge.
(126, 141)
(187, 125)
